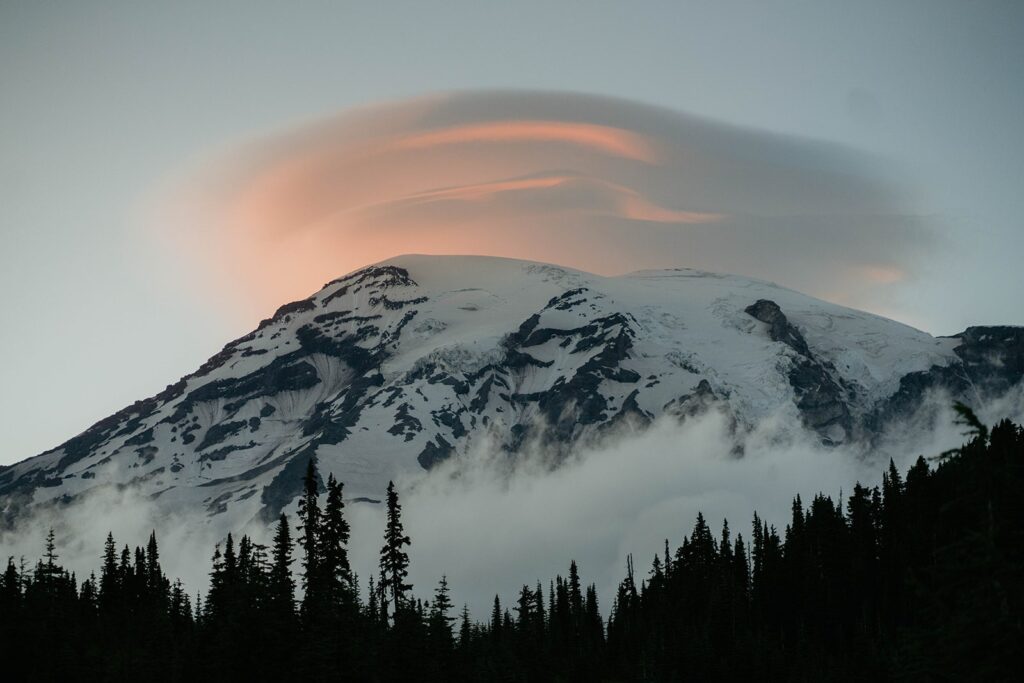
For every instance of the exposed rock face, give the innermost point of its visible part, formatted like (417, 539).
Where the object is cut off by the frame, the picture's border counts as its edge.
(701, 400)
(779, 327)
(821, 397)
(993, 357)
(991, 363)
(401, 366)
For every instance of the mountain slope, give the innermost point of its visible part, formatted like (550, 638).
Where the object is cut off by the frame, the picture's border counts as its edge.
(403, 364)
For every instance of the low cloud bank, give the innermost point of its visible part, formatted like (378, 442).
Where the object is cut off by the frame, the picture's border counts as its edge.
(492, 525)
(492, 528)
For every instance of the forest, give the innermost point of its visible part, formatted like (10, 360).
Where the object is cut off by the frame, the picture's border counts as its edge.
(918, 579)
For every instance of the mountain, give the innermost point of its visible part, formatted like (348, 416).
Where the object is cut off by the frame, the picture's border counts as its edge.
(406, 363)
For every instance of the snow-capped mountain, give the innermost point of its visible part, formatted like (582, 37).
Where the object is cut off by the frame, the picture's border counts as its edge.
(411, 361)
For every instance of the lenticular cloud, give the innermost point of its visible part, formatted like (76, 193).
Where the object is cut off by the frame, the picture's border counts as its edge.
(595, 183)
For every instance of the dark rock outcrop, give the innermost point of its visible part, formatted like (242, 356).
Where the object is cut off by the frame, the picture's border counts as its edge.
(992, 362)
(822, 399)
(779, 327)
(435, 453)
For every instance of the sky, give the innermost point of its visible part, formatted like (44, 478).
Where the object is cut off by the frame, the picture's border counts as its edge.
(117, 118)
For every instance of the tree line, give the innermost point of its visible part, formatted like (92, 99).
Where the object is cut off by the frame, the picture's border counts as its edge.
(919, 579)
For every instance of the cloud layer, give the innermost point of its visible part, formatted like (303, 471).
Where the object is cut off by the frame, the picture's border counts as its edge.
(492, 525)
(599, 184)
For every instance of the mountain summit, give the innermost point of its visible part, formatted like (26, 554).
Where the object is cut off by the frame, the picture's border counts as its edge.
(409, 362)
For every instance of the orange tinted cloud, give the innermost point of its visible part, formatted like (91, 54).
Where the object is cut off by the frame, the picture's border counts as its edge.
(484, 191)
(603, 138)
(882, 274)
(593, 183)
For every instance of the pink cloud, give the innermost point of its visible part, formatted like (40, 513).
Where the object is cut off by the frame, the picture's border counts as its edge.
(593, 183)
(605, 139)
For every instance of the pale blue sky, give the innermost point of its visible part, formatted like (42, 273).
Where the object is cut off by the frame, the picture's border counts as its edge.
(102, 103)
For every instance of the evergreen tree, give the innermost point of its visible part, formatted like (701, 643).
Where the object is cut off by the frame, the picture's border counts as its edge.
(12, 611)
(213, 606)
(109, 575)
(394, 561)
(496, 619)
(465, 628)
(440, 621)
(372, 608)
(309, 524)
(281, 585)
(524, 609)
(337, 574)
(540, 618)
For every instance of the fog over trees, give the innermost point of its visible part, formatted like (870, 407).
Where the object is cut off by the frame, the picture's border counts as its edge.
(917, 579)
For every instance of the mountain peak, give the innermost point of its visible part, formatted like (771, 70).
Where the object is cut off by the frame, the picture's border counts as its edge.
(408, 362)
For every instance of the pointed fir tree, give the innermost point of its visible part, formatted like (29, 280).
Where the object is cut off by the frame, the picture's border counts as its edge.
(394, 561)
(539, 613)
(440, 624)
(372, 608)
(281, 585)
(496, 619)
(337, 573)
(465, 629)
(309, 525)
(109, 576)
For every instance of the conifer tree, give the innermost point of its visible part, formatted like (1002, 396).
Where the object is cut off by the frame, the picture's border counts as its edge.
(337, 573)
(372, 609)
(138, 581)
(538, 610)
(88, 599)
(230, 559)
(281, 585)
(496, 619)
(179, 608)
(440, 619)
(48, 572)
(309, 526)
(741, 565)
(524, 609)
(109, 576)
(394, 561)
(157, 585)
(551, 604)
(465, 629)
(593, 625)
(154, 575)
(12, 609)
(10, 584)
(439, 642)
(124, 568)
(213, 606)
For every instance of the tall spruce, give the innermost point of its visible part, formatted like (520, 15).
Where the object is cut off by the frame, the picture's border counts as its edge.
(281, 585)
(310, 522)
(394, 561)
(109, 576)
(334, 536)
(440, 624)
